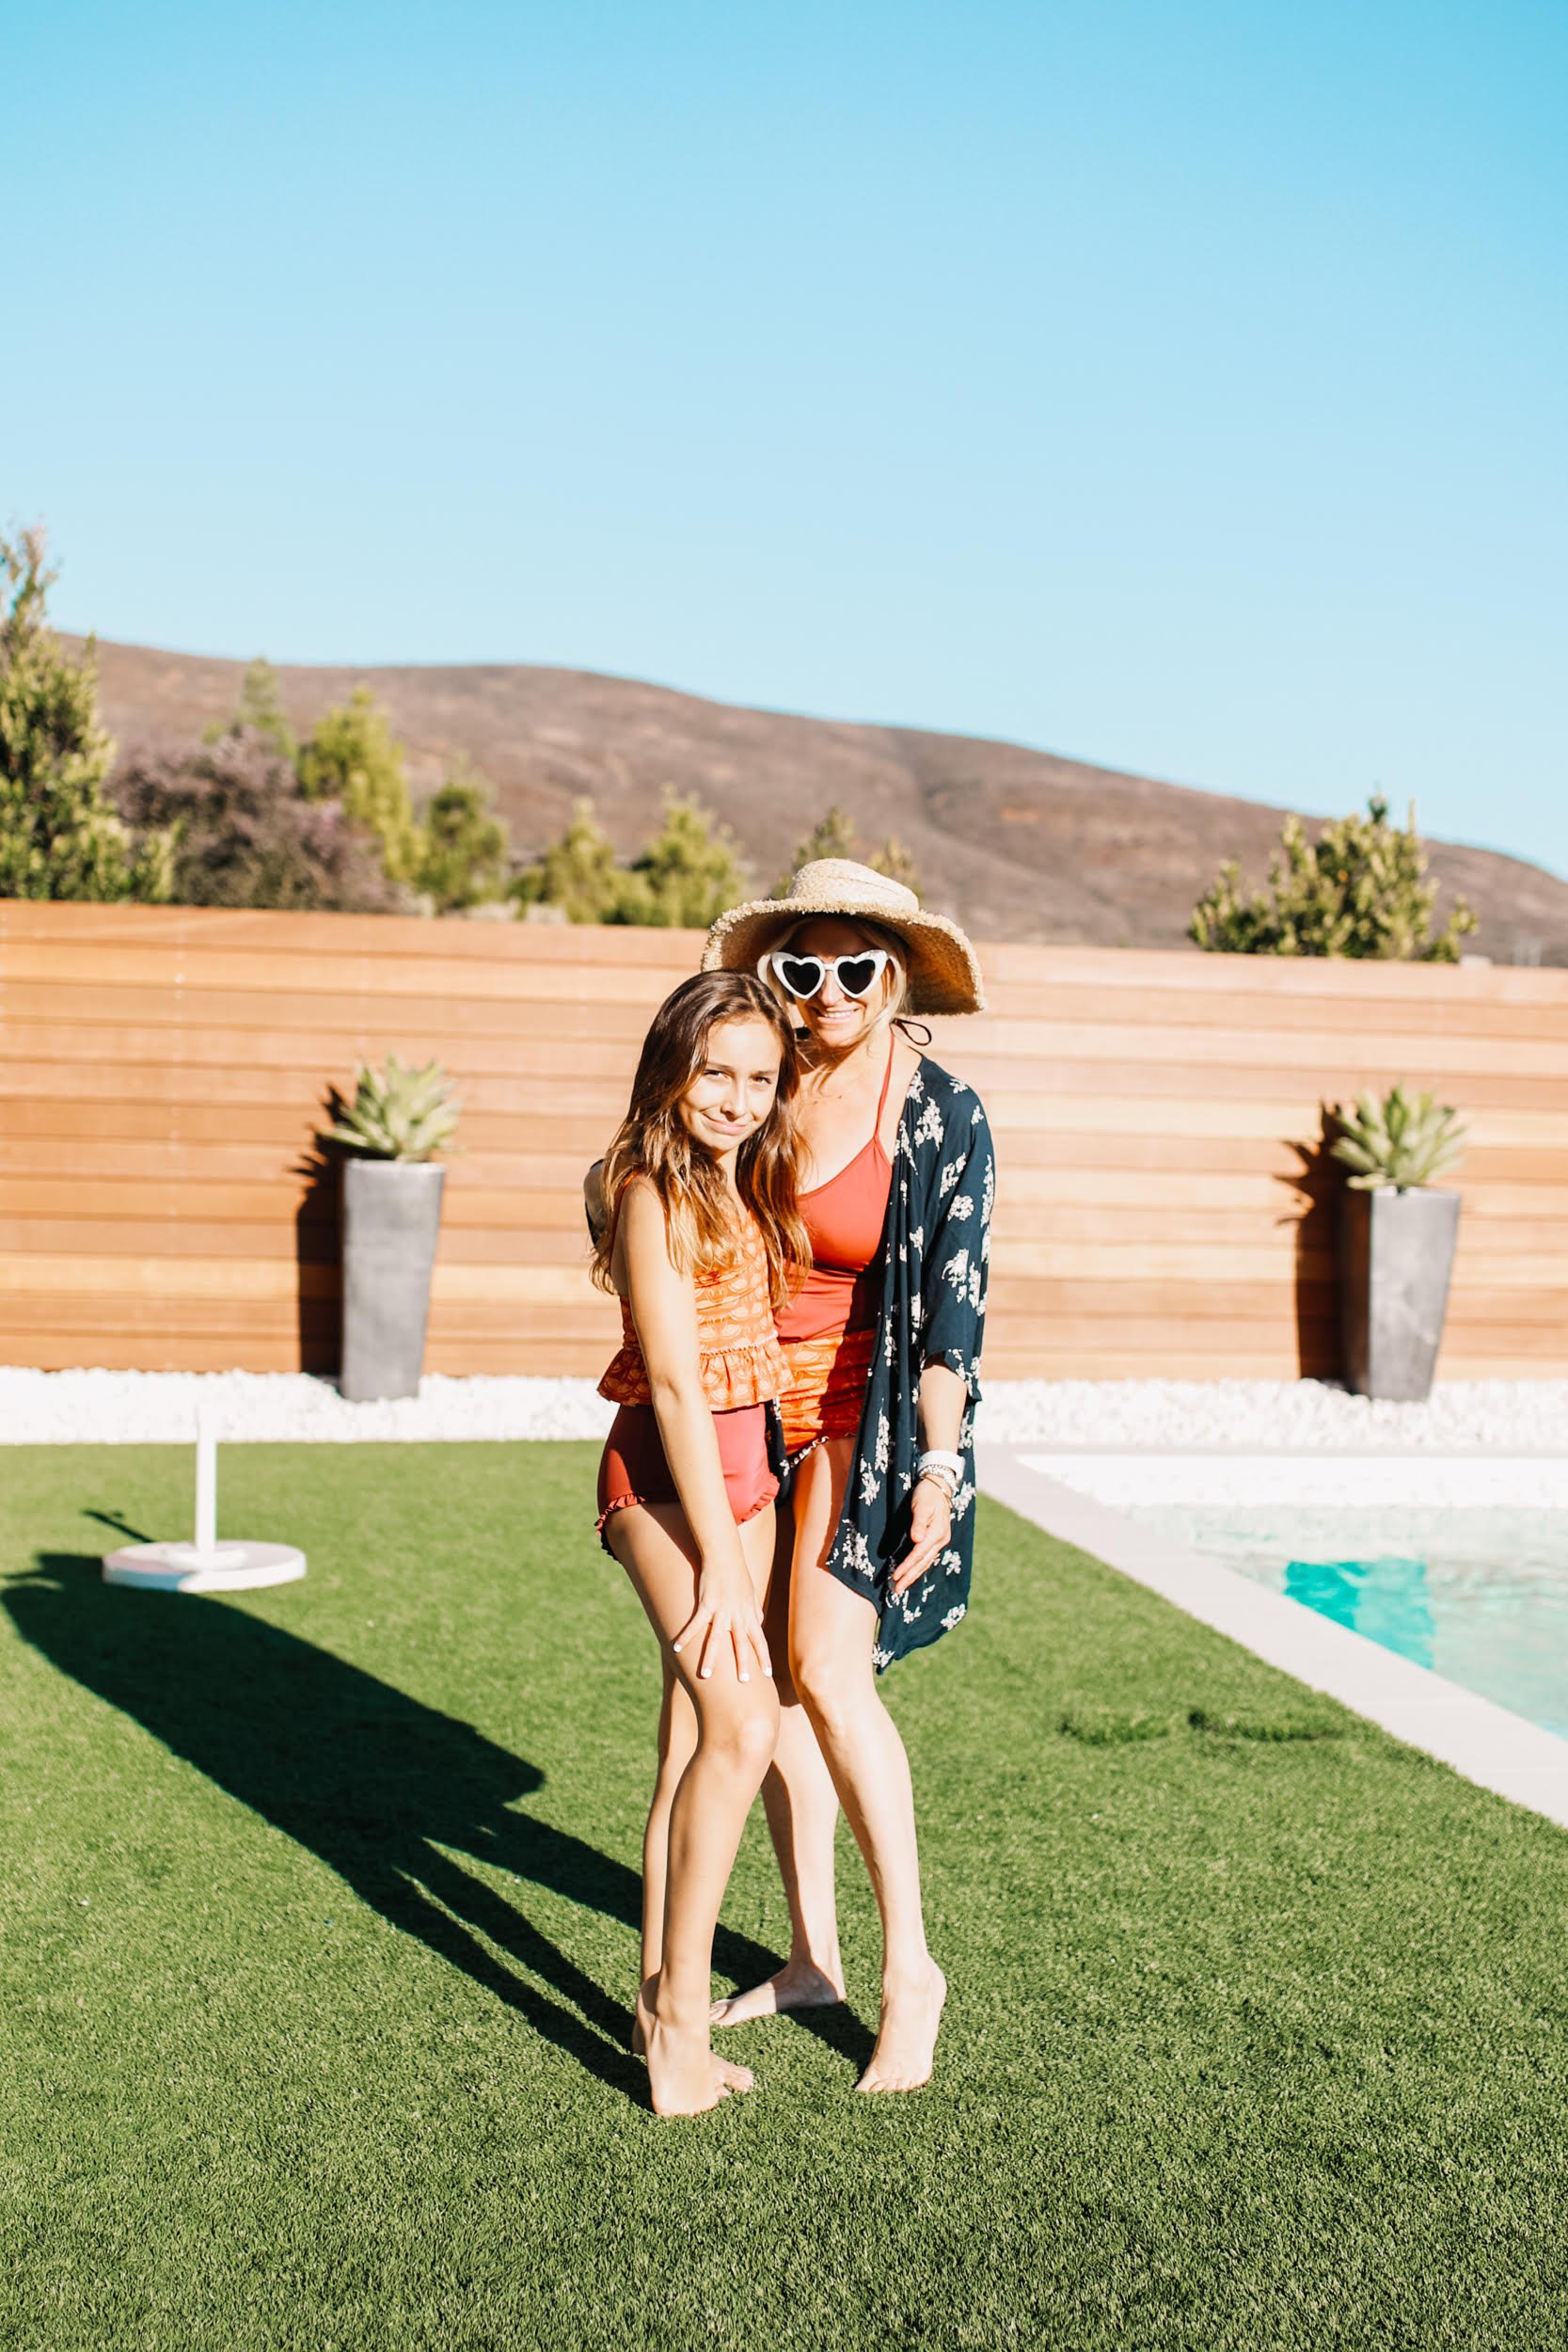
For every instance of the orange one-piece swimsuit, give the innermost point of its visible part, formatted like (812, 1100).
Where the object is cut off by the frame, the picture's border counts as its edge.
(829, 1330)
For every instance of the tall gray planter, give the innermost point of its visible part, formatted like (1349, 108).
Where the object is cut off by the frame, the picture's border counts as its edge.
(391, 1219)
(1396, 1255)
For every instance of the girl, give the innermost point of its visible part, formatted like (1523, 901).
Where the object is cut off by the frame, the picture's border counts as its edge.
(702, 1238)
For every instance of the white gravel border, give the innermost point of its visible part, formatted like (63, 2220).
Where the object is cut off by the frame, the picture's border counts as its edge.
(160, 1407)
(1274, 1416)
(1226, 1418)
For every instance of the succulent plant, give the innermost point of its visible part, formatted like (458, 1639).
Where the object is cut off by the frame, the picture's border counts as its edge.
(1404, 1140)
(405, 1115)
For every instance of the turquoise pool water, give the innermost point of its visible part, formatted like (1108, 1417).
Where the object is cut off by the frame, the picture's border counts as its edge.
(1480, 1596)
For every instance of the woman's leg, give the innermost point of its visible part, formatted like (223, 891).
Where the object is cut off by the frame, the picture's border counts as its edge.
(832, 1630)
(802, 1804)
(736, 1724)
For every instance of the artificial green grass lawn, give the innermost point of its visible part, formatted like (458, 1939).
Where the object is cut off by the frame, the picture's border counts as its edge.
(319, 1914)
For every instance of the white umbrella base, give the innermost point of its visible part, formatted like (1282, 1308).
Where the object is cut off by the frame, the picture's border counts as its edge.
(182, 1568)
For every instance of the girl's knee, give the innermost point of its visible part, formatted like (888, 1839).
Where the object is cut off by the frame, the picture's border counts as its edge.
(761, 1739)
(740, 1721)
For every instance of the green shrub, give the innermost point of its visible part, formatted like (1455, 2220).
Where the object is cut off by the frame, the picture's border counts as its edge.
(352, 755)
(578, 873)
(60, 836)
(1360, 890)
(261, 712)
(688, 874)
(463, 850)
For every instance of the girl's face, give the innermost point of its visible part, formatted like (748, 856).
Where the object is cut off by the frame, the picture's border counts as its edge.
(736, 1087)
(836, 1019)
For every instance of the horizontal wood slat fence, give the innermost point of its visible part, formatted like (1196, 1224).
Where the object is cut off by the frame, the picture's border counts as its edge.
(1165, 1206)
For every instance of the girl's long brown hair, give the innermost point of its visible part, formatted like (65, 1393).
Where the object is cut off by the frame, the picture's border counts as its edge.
(653, 1141)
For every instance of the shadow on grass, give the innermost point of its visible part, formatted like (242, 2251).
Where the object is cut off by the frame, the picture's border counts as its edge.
(372, 1781)
(118, 1525)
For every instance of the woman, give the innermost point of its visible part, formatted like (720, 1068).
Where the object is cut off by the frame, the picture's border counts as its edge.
(882, 1347)
(702, 1236)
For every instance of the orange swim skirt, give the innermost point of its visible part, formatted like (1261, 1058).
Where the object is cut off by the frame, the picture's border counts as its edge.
(827, 1379)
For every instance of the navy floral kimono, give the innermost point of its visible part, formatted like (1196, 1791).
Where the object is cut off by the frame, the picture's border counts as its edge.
(937, 1251)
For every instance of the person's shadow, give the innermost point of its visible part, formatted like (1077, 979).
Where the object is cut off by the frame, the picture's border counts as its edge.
(372, 1781)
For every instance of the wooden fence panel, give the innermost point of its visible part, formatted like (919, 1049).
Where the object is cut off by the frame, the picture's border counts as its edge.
(1165, 1206)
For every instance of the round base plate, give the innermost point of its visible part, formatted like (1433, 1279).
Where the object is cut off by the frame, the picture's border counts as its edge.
(181, 1568)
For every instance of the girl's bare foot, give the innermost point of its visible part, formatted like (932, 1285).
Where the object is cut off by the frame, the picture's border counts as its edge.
(682, 2077)
(799, 1984)
(907, 2042)
(717, 2077)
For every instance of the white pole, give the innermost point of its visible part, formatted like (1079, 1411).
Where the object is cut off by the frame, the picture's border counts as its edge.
(206, 1484)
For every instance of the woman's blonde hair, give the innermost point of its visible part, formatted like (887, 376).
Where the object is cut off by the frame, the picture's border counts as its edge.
(652, 1139)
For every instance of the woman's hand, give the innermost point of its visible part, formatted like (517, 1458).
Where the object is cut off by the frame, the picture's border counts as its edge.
(930, 1525)
(726, 1622)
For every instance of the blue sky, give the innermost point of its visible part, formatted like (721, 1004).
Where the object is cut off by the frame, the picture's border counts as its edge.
(1180, 387)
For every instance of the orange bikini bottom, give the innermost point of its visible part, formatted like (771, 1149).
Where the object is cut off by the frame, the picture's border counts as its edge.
(633, 1468)
(827, 1379)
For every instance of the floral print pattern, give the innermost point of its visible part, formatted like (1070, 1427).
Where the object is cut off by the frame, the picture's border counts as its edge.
(936, 1253)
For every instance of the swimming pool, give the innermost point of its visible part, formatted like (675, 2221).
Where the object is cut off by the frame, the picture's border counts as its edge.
(1477, 1594)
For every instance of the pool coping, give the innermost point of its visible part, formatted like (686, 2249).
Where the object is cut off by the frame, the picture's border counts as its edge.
(1486, 1743)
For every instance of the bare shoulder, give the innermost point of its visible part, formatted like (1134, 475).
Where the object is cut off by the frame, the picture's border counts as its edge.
(641, 1215)
(641, 1237)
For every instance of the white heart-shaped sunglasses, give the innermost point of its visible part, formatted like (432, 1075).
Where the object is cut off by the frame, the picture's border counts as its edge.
(801, 976)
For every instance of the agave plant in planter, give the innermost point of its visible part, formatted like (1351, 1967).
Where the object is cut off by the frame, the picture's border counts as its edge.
(1396, 1237)
(392, 1129)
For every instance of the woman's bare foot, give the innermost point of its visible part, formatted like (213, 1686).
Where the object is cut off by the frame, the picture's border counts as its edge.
(906, 2040)
(799, 1984)
(715, 2077)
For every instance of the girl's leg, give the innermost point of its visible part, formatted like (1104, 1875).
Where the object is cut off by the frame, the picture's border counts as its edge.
(832, 1633)
(736, 1724)
(677, 1739)
(802, 1804)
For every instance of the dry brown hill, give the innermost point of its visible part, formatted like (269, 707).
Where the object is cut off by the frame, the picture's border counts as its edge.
(1018, 843)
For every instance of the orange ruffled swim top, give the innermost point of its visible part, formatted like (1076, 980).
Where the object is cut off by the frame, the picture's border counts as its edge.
(737, 1343)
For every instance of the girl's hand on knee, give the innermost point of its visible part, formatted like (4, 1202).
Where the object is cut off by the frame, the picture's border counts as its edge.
(930, 1525)
(726, 1623)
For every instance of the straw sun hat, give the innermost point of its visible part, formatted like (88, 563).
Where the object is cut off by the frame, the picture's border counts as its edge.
(943, 970)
